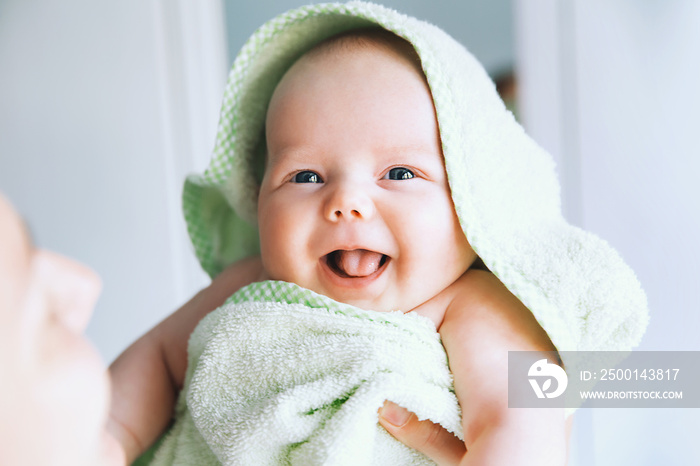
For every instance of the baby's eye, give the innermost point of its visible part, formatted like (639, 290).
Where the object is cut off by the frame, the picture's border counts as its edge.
(399, 173)
(306, 177)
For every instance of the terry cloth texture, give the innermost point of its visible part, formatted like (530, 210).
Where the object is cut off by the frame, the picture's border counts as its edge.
(503, 186)
(282, 375)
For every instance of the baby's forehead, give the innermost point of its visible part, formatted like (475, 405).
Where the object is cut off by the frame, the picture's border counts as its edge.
(322, 60)
(368, 40)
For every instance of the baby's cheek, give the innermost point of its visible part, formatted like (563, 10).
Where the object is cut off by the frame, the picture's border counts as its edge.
(271, 229)
(280, 253)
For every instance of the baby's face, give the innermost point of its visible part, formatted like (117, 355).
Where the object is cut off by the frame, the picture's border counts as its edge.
(355, 203)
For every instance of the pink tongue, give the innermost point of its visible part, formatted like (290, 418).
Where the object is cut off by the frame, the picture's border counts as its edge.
(358, 262)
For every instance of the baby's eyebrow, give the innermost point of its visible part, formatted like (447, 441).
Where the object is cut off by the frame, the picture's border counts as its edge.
(418, 154)
(408, 149)
(290, 154)
(304, 154)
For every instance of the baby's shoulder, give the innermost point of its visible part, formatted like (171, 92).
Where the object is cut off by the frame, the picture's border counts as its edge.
(483, 312)
(475, 287)
(470, 289)
(479, 294)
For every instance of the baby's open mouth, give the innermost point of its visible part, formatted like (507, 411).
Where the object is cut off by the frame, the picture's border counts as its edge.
(355, 263)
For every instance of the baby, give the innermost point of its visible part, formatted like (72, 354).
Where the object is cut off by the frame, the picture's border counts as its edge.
(355, 205)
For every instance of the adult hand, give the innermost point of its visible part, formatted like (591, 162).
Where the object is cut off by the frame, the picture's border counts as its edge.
(425, 436)
(429, 438)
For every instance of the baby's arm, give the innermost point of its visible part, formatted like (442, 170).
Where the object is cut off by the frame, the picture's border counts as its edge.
(148, 376)
(483, 322)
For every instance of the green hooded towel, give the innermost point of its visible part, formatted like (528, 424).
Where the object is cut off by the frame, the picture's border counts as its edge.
(282, 375)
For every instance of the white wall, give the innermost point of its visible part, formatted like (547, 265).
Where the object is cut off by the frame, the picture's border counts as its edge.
(611, 88)
(104, 107)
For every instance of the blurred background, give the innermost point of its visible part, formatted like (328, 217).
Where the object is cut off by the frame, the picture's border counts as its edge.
(106, 106)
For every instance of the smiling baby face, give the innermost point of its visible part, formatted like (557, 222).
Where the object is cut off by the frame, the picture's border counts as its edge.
(354, 203)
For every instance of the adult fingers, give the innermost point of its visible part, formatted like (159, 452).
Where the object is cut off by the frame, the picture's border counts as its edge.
(425, 436)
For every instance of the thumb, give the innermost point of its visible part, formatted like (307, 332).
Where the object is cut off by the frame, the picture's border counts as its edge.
(425, 436)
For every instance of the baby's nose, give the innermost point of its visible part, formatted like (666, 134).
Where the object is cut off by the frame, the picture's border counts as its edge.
(349, 203)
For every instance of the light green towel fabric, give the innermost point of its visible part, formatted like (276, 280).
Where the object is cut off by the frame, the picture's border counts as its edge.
(282, 375)
(503, 185)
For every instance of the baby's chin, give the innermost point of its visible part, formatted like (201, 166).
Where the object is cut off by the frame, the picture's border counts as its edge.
(371, 298)
(385, 302)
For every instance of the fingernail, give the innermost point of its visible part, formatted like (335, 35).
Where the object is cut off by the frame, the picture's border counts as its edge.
(394, 414)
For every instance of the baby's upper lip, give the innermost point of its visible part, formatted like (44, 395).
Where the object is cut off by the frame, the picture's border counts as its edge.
(353, 247)
(350, 239)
